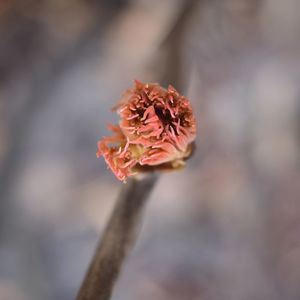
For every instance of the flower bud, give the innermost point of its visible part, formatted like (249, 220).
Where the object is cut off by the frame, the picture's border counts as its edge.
(156, 131)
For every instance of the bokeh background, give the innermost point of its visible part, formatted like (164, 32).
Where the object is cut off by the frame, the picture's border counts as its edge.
(227, 227)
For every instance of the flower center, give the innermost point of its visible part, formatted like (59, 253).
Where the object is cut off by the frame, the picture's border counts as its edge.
(164, 116)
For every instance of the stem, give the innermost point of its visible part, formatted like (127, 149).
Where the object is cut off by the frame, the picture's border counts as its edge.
(117, 240)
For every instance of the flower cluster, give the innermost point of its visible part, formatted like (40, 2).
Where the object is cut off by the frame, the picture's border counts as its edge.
(156, 130)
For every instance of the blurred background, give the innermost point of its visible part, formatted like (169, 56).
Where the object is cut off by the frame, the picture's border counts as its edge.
(227, 227)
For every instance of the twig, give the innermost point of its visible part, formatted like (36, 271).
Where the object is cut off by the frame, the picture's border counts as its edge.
(171, 46)
(118, 238)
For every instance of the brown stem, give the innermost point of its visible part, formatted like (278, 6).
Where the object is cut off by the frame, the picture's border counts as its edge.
(117, 239)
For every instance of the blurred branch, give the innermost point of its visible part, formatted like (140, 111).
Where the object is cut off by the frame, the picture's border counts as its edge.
(117, 240)
(171, 46)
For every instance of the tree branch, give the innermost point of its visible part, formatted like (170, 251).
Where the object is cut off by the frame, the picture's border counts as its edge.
(117, 240)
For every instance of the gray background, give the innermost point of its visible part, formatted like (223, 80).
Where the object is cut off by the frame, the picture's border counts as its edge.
(227, 227)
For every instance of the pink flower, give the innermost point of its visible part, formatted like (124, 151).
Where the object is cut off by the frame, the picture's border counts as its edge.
(156, 130)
